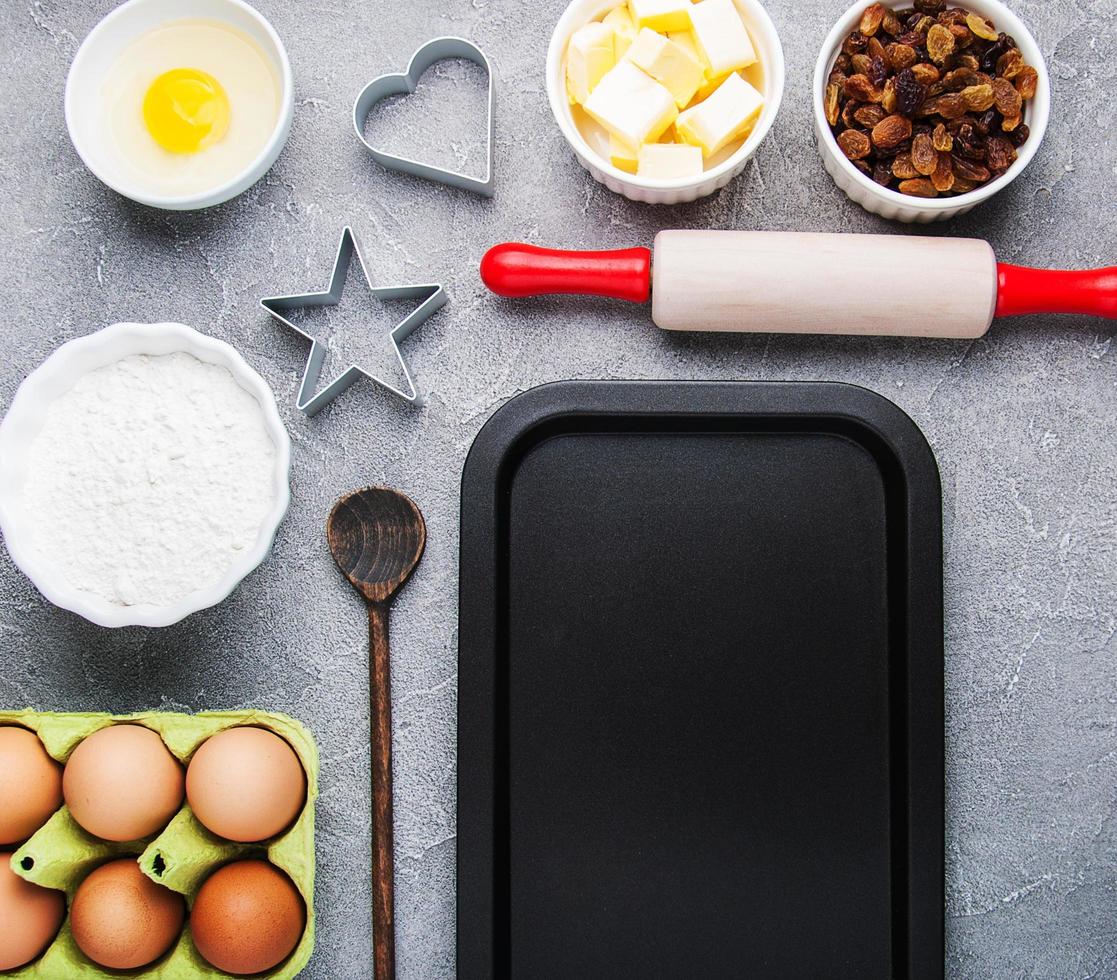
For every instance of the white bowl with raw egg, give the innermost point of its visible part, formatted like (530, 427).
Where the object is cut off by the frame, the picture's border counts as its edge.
(180, 104)
(711, 131)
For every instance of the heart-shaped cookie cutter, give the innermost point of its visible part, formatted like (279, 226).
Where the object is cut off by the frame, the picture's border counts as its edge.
(439, 49)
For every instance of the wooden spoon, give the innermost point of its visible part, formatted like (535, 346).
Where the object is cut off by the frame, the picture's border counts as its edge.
(377, 537)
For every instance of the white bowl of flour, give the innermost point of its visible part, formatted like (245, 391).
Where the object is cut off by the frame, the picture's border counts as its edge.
(143, 474)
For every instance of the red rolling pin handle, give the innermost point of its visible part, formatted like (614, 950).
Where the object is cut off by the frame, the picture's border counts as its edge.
(518, 270)
(1092, 292)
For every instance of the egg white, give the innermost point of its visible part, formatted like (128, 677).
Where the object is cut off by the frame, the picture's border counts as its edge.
(248, 77)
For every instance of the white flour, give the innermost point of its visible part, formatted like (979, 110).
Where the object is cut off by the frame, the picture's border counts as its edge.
(149, 478)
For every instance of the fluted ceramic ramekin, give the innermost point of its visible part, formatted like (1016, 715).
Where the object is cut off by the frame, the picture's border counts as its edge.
(56, 376)
(678, 191)
(902, 207)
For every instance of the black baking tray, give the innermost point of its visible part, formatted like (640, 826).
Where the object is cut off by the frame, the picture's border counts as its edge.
(700, 686)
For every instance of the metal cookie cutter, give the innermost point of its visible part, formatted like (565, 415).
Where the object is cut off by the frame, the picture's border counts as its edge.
(309, 400)
(380, 88)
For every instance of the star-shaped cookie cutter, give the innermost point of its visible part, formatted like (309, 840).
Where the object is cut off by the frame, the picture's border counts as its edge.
(405, 83)
(309, 399)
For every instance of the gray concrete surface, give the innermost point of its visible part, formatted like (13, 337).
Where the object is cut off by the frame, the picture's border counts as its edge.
(1024, 423)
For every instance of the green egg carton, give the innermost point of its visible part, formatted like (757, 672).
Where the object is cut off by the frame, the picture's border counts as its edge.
(181, 856)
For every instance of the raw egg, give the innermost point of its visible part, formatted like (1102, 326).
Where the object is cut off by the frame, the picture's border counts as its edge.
(30, 917)
(30, 784)
(248, 917)
(185, 110)
(246, 784)
(123, 920)
(122, 783)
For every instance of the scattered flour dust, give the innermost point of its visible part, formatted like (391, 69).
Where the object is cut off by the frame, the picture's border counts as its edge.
(149, 478)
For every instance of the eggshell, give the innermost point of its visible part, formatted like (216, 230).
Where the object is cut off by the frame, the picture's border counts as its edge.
(122, 783)
(30, 917)
(30, 784)
(246, 784)
(121, 919)
(248, 917)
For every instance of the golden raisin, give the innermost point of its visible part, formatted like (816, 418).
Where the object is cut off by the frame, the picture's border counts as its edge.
(1006, 98)
(869, 115)
(943, 175)
(925, 74)
(891, 131)
(900, 56)
(860, 88)
(871, 19)
(1010, 63)
(981, 27)
(1011, 123)
(969, 169)
(854, 144)
(940, 43)
(999, 154)
(891, 23)
(1027, 81)
(963, 186)
(942, 140)
(978, 98)
(830, 104)
(920, 187)
(903, 168)
(924, 156)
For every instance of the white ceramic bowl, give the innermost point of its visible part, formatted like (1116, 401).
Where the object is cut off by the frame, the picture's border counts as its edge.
(770, 52)
(85, 116)
(57, 375)
(901, 207)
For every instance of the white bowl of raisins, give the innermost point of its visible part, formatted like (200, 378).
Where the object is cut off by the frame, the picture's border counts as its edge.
(923, 110)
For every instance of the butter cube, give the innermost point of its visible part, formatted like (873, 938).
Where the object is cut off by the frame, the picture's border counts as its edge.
(661, 15)
(632, 106)
(624, 28)
(668, 63)
(665, 161)
(589, 56)
(725, 116)
(722, 37)
(621, 156)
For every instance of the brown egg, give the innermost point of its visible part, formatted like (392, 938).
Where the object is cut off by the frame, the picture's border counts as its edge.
(30, 917)
(248, 917)
(246, 784)
(122, 783)
(30, 784)
(121, 919)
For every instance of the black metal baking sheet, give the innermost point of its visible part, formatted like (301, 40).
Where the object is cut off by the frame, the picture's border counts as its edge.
(700, 686)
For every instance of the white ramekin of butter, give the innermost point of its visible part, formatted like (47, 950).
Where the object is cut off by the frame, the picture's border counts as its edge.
(143, 474)
(180, 104)
(665, 101)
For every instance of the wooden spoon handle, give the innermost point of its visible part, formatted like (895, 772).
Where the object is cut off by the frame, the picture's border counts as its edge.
(380, 708)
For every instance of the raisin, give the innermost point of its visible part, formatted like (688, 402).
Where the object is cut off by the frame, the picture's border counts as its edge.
(981, 27)
(1026, 82)
(891, 24)
(854, 144)
(863, 167)
(913, 39)
(942, 140)
(830, 104)
(855, 43)
(924, 156)
(986, 121)
(943, 175)
(869, 115)
(1019, 136)
(876, 50)
(900, 56)
(978, 98)
(1006, 98)
(1010, 64)
(909, 93)
(929, 7)
(969, 142)
(958, 79)
(963, 186)
(861, 64)
(1000, 154)
(940, 43)
(882, 172)
(849, 114)
(903, 168)
(925, 74)
(891, 131)
(860, 88)
(871, 19)
(949, 106)
(969, 169)
(878, 72)
(920, 187)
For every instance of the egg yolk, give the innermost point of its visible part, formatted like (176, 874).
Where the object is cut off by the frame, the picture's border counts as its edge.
(186, 110)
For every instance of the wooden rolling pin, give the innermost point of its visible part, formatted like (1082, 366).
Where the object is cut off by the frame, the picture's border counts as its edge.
(773, 282)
